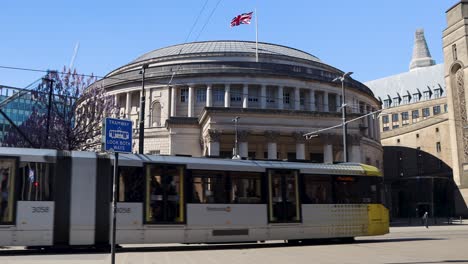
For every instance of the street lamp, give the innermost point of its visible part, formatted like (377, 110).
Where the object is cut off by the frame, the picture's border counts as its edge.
(236, 143)
(343, 113)
(141, 137)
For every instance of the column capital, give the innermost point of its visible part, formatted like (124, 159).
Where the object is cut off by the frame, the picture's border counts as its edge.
(354, 139)
(243, 135)
(271, 136)
(299, 137)
(328, 138)
(213, 135)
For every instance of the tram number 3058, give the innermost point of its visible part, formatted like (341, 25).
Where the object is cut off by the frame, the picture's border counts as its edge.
(40, 209)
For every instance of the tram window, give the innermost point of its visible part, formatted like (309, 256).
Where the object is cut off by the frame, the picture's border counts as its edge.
(209, 187)
(357, 190)
(131, 184)
(245, 187)
(7, 183)
(35, 180)
(317, 190)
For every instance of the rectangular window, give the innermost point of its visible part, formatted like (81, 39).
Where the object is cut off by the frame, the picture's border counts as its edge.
(184, 95)
(386, 103)
(35, 180)
(385, 119)
(438, 147)
(386, 128)
(131, 187)
(445, 108)
(404, 116)
(406, 99)
(220, 187)
(437, 93)
(415, 97)
(317, 190)
(209, 187)
(286, 97)
(396, 101)
(427, 95)
(201, 95)
(426, 112)
(357, 190)
(395, 126)
(218, 94)
(302, 97)
(394, 117)
(245, 188)
(7, 188)
(436, 109)
(270, 96)
(415, 114)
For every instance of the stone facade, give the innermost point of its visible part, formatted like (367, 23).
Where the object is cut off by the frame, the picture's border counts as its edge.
(455, 45)
(193, 97)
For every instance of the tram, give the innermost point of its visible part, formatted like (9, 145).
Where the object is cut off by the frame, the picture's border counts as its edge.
(61, 198)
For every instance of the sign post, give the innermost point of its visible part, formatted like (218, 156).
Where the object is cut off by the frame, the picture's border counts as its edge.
(117, 137)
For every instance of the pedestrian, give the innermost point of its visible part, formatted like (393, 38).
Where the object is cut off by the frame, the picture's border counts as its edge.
(425, 219)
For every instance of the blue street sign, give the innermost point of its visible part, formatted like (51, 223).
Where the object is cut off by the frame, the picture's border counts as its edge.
(117, 135)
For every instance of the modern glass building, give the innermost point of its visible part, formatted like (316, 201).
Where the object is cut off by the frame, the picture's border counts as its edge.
(17, 110)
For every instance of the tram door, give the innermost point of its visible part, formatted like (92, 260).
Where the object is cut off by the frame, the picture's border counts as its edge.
(283, 196)
(164, 194)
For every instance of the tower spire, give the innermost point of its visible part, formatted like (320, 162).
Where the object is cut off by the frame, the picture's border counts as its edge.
(421, 55)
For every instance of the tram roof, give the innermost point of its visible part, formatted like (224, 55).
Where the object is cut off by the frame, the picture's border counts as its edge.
(201, 163)
(244, 165)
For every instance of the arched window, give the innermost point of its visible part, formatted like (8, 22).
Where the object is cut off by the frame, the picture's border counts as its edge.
(156, 114)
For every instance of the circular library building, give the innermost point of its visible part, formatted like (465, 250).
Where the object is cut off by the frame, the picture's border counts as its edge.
(200, 97)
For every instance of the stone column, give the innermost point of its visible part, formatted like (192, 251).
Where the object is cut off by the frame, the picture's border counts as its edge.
(263, 100)
(209, 96)
(300, 145)
(173, 101)
(325, 102)
(355, 153)
(366, 122)
(338, 103)
(372, 118)
(245, 96)
(297, 99)
(227, 95)
(312, 100)
(271, 138)
(242, 136)
(190, 108)
(376, 127)
(327, 148)
(147, 107)
(117, 106)
(212, 139)
(128, 105)
(280, 97)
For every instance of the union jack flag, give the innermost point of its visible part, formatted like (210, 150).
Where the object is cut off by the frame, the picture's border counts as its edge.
(241, 19)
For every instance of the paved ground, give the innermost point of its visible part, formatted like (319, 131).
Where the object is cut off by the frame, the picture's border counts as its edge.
(409, 245)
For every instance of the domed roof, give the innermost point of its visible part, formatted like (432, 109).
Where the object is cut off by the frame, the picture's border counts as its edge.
(226, 46)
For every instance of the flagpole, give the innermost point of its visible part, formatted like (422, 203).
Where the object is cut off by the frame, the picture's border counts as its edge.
(256, 35)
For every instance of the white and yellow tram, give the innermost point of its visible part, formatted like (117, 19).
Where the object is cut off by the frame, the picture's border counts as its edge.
(55, 198)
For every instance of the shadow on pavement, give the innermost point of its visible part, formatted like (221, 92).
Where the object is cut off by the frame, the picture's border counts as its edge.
(200, 247)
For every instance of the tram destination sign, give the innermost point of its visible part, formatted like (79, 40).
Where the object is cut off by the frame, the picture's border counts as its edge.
(117, 135)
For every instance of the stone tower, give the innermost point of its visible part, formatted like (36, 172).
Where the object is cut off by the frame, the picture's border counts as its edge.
(421, 55)
(455, 45)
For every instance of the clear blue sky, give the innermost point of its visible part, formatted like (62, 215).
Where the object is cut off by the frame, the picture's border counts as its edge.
(372, 38)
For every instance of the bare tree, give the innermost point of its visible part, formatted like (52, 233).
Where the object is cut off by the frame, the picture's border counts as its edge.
(67, 113)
